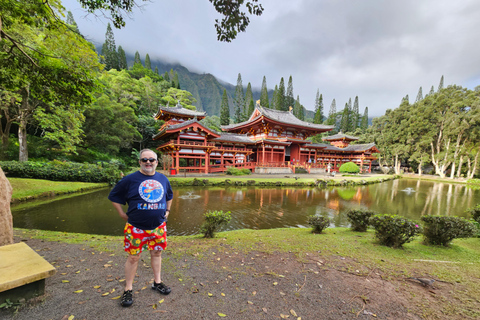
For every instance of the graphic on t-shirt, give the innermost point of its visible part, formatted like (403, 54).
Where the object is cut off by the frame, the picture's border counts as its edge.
(151, 191)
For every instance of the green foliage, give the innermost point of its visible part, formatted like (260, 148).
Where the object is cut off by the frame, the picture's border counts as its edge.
(319, 223)
(475, 213)
(214, 220)
(238, 172)
(440, 230)
(349, 167)
(359, 219)
(394, 231)
(63, 171)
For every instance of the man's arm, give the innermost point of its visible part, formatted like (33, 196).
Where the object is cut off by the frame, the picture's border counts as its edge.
(169, 205)
(119, 209)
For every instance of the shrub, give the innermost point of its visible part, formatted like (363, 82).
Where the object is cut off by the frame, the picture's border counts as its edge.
(237, 172)
(442, 230)
(318, 223)
(349, 167)
(394, 231)
(213, 220)
(62, 171)
(475, 213)
(359, 219)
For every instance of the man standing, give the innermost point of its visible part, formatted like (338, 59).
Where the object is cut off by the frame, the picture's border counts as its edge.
(149, 198)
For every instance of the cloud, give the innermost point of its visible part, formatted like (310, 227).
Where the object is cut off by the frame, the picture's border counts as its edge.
(379, 51)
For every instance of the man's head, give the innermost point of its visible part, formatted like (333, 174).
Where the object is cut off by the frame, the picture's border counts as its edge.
(148, 162)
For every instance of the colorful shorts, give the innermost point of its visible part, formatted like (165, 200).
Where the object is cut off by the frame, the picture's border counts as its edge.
(137, 240)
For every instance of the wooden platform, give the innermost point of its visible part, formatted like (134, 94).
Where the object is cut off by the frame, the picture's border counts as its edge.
(23, 272)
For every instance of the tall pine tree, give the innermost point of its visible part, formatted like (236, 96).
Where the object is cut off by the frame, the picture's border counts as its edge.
(364, 124)
(71, 21)
(137, 59)
(109, 50)
(238, 100)
(280, 103)
(354, 115)
(289, 100)
(248, 99)
(332, 114)
(224, 110)
(419, 95)
(345, 123)
(440, 85)
(122, 59)
(148, 63)
(298, 109)
(274, 97)
(318, 117)
(264, 101)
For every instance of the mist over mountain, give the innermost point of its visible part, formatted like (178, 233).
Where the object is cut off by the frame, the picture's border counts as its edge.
(205, 87)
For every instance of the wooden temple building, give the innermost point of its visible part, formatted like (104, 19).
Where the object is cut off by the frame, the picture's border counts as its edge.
(270, 141)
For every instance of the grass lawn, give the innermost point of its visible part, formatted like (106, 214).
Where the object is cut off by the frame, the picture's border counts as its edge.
(26, 189)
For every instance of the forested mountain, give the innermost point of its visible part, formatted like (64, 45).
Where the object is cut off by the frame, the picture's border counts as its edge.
(205, 88)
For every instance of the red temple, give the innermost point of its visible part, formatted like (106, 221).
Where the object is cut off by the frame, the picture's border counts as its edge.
(269, 141)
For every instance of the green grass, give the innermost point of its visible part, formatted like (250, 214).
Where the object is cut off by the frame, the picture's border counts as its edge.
(26, 189)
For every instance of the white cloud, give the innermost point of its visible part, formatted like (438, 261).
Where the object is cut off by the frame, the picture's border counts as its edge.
(379, 51)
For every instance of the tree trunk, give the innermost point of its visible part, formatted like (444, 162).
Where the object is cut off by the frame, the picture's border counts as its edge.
(460, 163)
(420, 168)
(22, 127)
(475, 161)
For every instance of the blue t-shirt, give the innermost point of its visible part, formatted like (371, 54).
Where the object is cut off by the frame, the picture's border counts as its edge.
(146, 196)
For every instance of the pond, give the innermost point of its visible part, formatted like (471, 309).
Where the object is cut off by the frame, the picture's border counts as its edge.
(253, 208)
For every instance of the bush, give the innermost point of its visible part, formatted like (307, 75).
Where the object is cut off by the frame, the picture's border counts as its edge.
(394, 231)
(475, 213)
(213, 220)
(238, 172)
(318, 223)
(359, 219)
(442, 230)
(62, 171)
(349, 167)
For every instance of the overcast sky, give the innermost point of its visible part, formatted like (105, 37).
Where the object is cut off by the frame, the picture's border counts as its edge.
(377, 50)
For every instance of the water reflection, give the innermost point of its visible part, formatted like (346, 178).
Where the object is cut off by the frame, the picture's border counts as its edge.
(255, 208)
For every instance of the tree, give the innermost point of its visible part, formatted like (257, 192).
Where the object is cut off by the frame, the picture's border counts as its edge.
(274, 98)
(364, 124)
(345, 123)
(137, 59)
(289, 100)
(148, 64)
(419, 95)
(332, 114)
(212, 122)
(109, 50)
(248, 102)
(238, 100)
(354, 116)
(318, 118)
(122, 59)
(71, 21)
(224, 110)
(298, 109)
(264, 101)
(280, 103)
(440, 85)
(46, 84)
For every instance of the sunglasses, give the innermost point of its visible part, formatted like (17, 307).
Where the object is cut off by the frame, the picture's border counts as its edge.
(145, 160)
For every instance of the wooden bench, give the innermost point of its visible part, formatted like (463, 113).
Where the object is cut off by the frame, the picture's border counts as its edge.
(22, 273)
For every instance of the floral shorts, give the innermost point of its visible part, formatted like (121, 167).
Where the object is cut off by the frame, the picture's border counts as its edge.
(137, 240)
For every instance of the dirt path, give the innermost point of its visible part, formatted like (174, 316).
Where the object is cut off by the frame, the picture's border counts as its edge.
(220, 281)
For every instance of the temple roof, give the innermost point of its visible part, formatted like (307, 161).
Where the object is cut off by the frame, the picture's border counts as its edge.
(189, 123)
(285, 117)
(233, 137)
(340, 136)
(350, 148)
(179, 110)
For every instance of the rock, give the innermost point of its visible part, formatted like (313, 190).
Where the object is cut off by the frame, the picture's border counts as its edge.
(6, 221)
